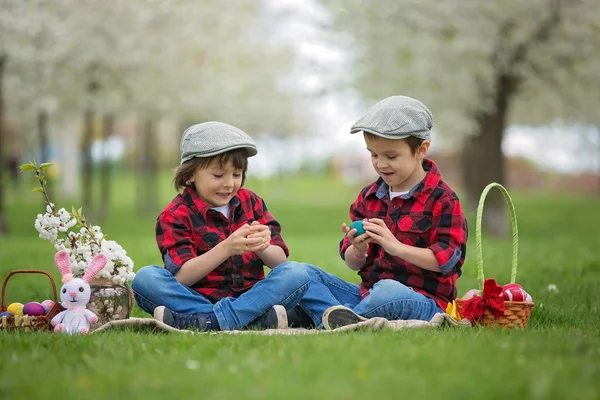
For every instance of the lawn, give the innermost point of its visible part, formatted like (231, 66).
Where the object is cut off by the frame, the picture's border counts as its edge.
(556, 357)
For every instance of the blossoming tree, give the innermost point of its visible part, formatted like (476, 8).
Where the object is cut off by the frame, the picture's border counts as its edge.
(479, 65)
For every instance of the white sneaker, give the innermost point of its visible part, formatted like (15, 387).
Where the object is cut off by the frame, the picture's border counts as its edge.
(337, 316)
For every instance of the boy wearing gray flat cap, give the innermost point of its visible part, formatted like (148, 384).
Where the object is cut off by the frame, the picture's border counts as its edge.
(214, 238)
(414, 241)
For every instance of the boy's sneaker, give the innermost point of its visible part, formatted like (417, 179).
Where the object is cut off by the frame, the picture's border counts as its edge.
(337, 316)
(298, 318)
(274, 318)
(202, 322)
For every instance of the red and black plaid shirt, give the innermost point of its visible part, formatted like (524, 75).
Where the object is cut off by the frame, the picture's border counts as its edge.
(429, 216)
(187, 227)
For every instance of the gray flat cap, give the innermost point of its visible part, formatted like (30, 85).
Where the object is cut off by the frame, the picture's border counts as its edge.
(211, 138)
(396, 117)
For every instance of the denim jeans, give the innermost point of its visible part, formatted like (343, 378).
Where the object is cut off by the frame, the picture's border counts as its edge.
(155, 286)
(387, 298)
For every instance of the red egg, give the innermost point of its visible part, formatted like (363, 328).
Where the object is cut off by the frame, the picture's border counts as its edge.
(34, 308)
(513, 292)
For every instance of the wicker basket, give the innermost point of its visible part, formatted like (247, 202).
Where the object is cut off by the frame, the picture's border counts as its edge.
(28, 323)
(516, 313)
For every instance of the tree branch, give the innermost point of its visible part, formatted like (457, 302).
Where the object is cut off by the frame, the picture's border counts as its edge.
(540, 35)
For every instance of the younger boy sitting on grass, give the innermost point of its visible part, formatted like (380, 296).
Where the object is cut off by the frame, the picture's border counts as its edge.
(214, 238)
(411, 254)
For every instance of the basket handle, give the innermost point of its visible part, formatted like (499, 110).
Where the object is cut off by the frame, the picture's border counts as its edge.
(25, 271)
(515, 232)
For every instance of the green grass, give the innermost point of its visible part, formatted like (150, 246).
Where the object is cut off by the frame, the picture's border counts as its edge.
(556, 357)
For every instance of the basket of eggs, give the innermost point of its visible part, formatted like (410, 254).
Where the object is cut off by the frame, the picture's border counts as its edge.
(31, 316)
(492, 304)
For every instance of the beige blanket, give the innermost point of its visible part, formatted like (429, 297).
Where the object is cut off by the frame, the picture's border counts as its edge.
(373, 324)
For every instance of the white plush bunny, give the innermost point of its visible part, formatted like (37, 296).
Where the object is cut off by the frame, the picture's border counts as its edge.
(75, 294)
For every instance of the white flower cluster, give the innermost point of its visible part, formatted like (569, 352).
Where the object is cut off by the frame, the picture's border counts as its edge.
(82, 246)
(52, 223)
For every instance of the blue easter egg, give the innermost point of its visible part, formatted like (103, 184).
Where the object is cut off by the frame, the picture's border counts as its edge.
(358, 225)
(5, 314)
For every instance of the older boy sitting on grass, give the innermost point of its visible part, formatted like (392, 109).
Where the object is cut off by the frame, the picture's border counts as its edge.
(414, 244)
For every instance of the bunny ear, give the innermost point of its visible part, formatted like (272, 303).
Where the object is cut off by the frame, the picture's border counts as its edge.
(63, 262)
(95, 266)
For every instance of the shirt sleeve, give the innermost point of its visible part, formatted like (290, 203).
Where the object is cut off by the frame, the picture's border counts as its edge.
(357, 213)
(174, 236)
(266, 218)
(450, 237)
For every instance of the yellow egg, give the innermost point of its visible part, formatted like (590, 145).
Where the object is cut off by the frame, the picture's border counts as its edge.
(15, 309)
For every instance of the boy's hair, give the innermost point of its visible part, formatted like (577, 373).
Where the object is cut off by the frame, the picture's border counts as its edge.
(238, 157)
(413, 142)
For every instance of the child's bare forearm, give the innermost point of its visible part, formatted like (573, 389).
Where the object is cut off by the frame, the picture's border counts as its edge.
(355, 260)
(272, 256)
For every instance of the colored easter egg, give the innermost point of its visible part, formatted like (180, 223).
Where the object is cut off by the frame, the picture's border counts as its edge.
(5, 314)
(510, 285)
(528, 298)
(358, 225)
(47, 304)
(15, 308)
(34, 308)
(470, 293)
(513, 292)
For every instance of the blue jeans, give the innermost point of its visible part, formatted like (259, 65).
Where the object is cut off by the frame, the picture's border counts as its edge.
(155, 286)
(387, 298)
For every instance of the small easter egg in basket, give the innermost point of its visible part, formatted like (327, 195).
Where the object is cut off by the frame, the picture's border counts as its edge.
(15, 308)
(513, 292)
(47, 304)
(34, 308)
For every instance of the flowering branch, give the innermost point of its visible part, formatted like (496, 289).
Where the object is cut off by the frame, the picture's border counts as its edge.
(83, 245)
(40, 174)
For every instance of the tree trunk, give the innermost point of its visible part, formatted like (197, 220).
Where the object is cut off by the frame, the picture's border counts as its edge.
(70, 163)
(483, 161)
(3, 228)
(598, 161)
(148, 166)
(87, 168)
(105, 172)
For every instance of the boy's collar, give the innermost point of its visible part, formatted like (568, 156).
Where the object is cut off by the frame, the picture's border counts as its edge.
(421, 191)
(196, 204)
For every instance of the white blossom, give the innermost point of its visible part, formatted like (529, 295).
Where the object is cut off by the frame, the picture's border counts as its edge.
(83, 245)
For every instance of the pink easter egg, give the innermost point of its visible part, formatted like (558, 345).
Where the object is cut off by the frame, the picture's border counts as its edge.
(48, 304)
(33, 308)
(470, 294)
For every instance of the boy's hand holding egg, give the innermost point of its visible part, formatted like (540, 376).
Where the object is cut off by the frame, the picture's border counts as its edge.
(360, 245)
(358, 225)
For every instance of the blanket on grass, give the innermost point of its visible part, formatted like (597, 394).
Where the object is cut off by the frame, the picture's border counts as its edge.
(374, 324)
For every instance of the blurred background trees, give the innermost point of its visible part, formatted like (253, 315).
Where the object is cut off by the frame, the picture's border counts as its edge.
(480, 66)
(147, 60)
(100, 87)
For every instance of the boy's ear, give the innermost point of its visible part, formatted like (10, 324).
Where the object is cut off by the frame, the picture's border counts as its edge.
(422, 149)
